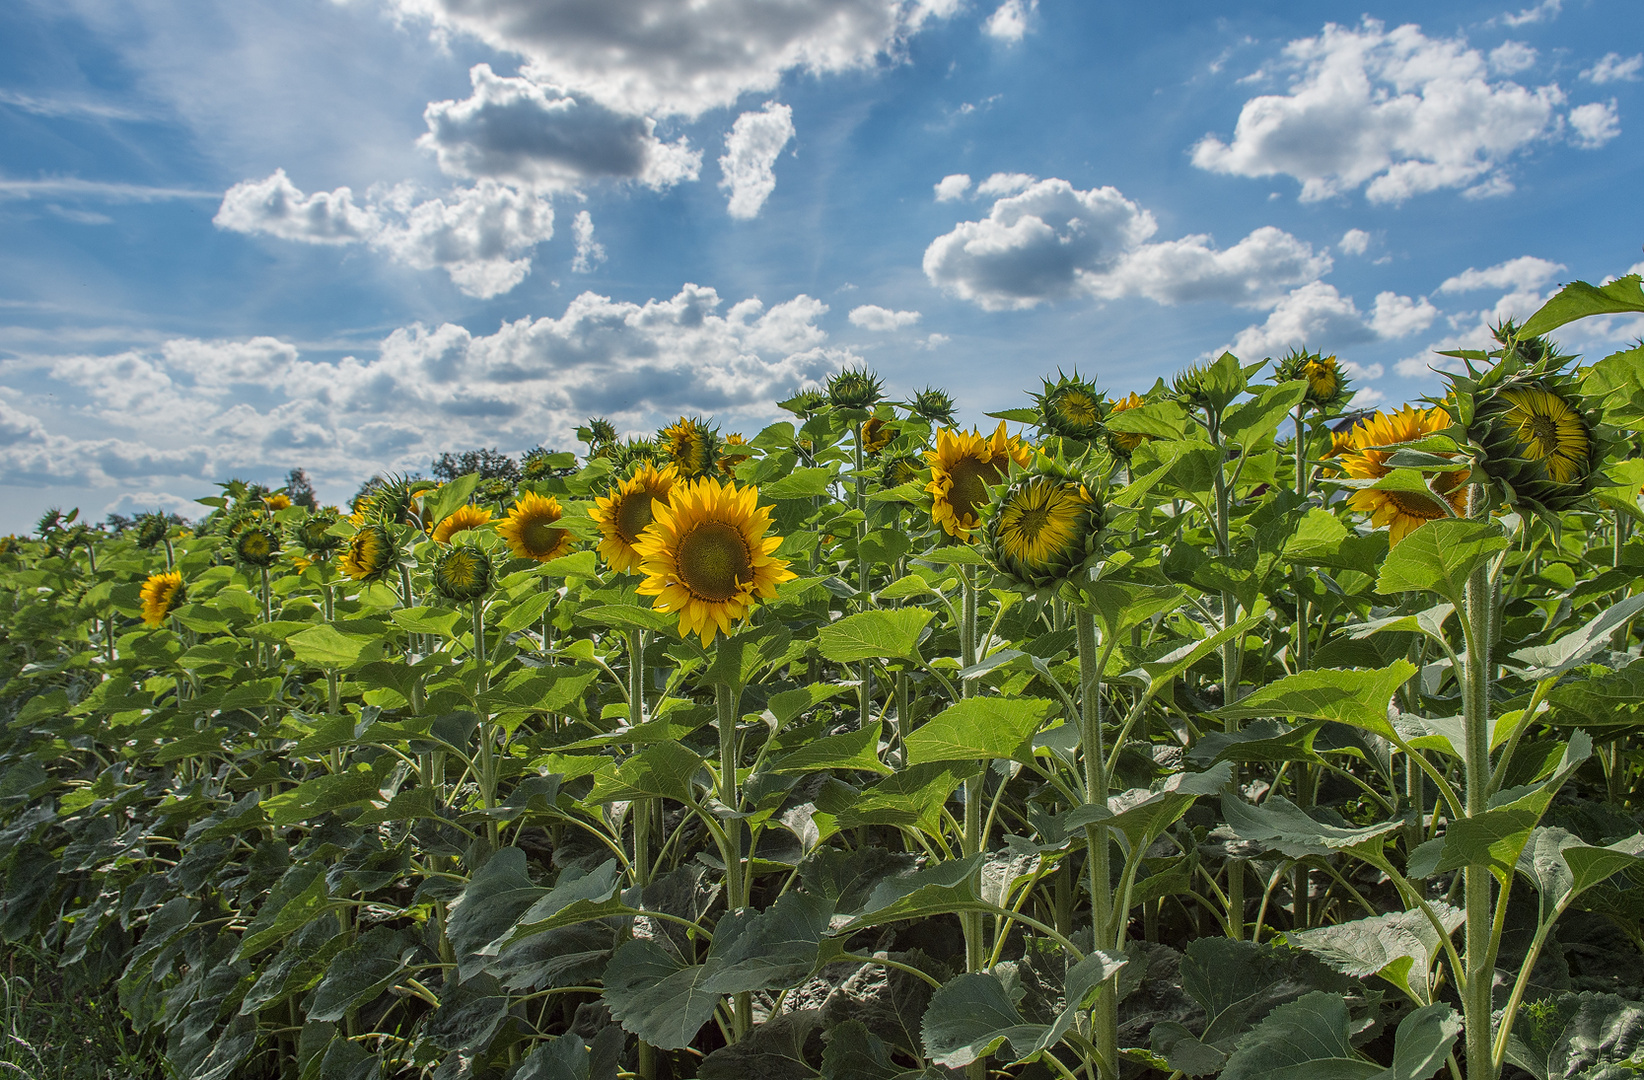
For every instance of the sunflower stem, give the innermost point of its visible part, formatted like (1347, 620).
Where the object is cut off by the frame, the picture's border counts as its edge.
(864, 692)
(726, 702)
(268, 615)
(1105, 1017)
(487, 732)
(1477, 631)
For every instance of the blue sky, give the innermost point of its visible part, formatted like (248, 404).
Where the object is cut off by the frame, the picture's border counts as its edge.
(347, 235)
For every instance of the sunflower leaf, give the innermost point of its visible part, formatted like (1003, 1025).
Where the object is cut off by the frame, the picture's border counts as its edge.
(1578, 300)
(1355, 697)
(979, 729)
(1439, 556)
(875, 635)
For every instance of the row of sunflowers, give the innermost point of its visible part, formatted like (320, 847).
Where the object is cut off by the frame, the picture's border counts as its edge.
(1217, 729)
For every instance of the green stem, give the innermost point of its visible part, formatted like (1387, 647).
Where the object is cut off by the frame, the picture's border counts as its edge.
(1105, 1018)
(726, 702)
(487, 765)
(1477, 631)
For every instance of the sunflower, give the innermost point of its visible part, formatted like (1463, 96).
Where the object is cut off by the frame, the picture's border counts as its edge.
(161, 594)
(1071, 407)
(257, 546)
(276, 502)
(805, 404)
(1327, 384)
(466, 516)
(962, 467)
(314, 534)
(151, 528)
(855, 388)
(706, 557)
(530, 531)
(732, 457)
(1400, 511)
(899, 470)
(1123, 442)
(933, 405)
(371, 554)
(691, 445)
(624, 512)
(1042, 529)
(875, 434)
(1546, 429)
(463, 573)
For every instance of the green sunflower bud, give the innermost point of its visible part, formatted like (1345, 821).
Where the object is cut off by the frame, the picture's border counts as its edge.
(1072, 408)
(314, 534)
(1328, 386)
(934, 406)
(855, 388)
(151, 530)
(462, 573)
(692, 446)
(805, 404)
(257, 546)
(1043, 528)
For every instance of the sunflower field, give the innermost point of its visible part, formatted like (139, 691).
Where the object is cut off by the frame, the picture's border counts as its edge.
(1211, 730)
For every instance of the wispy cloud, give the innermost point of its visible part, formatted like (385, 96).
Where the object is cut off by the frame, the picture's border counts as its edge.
(72, 187)
(57, 106)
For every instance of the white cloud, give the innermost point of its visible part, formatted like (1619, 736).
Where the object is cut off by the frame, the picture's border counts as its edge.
(138, 502)
(1393, 111)
(207, 409)
(535, 135)
(589, 252)
(1612, 67)
(72, 187)
(1317, 316)
(1512, 57)
(1053, 241)
(1001, 183)
(751, 150)
(666, 58)
(1354, 242)
(874, 317)
(1545, 11)
(951, 187)
(1595, 124)
(1009, 21)
(1524, 273)
(481, 237)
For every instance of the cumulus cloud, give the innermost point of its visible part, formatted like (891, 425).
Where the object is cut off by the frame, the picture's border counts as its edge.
(665, 58)
(481, 236)
(1545, 11)
(1392, 111)
(874, 317)
(1595, 124)
(1354, 242)
(952, 186)
(749, 161)
(1526, 273)
(535, 135)
(1001, 183)
(1512, 57)
(259, 406)
(1612, 67)
(1524, 283)
(1317, 316)
(1009, 21)
(1052, 241)
(589, 252)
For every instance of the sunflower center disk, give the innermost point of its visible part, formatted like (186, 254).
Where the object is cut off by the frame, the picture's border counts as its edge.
(633, 516)
(539, 536)
(969, 488)
(714, 562)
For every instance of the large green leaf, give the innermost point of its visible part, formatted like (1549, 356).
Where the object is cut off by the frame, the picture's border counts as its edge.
(497, 894)
(1577, 647)
(1259, 418)
(1286, 828)
(569, 1058)
(322, 794)
(1400, 947)
(973, 1016)
(979, 729)
(1143, 814)
(1311, 1039)
(913, 796)
(875, 635)
(778, 1049)
(1439, 556)
(1578, 300)
(656, 996)
(1615, 700)
(774, 948)
(359, 973)
(326, 646)
(1562, 866)
(663, 771)
(1578, 1037)
(857, 750)
(935, 889)
(1357, 697)
(806, 483)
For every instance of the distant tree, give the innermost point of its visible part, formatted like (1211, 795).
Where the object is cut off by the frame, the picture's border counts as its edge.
(491, 464)
(300, 489)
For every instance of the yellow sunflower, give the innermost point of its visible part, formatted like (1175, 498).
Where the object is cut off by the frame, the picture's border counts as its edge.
(706, 557)
(1043, 528)
(371, 554)
(961, 467)
(161, 594)
(875, 434)
(1323, 377)
(691, 445)
(1127, 441)
(1400, 511)
(733, 454)
(623, 513)
(466, 516)
(529, 528)
(276, 502)
(1548, 430)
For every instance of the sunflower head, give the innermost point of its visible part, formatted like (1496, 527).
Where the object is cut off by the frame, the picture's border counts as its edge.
(706, 557)
(691, 445)
(161, 594)
(395, 502)
(277, 502)
(876, 434)
(1122, 443)
(634, 452)
(1043, 528)
(733, 453)
(466, 516)
(805, 404)
(530, 528)
(151, 529)
(625, 511)
(257, 546)
(963, 466)
(1364, 459)
(934, 406)
(600, 435)
(1533, 434)
(371, 554)
(855, 388)
(899, 469)
(462, 573)
(540, 464)
(314, 534)
(1071, 407)
(50, 521)
(1327, 384)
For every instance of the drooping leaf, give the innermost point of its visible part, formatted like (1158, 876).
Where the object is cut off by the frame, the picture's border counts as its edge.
(774, 948)
(871, 635)
(326, 646)
(1356, 697)
(1400, 947)
(657, 997)
(979, 729)
(973, 1016)
(1285, 827)
(1578, 300)
(1574, 649)
(1439, 557)
(358, 974)
(1577, 1036)
(779, 1049)
(857, 750)
(663, 771)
